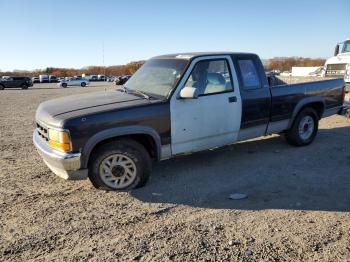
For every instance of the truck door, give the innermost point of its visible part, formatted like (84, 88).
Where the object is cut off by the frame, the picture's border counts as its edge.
(256, 96)
(213, 119)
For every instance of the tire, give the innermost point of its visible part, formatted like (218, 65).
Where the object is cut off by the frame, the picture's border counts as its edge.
(64, 85)
(123, 161)
(24, 86)
(83, 84)
(2, 87)
(304, 128)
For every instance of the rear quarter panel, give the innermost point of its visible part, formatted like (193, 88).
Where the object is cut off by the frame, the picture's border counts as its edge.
(286, 97)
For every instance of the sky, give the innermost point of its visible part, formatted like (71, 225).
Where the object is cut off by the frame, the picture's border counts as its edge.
(35, 34)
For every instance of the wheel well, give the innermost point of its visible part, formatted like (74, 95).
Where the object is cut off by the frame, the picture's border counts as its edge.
(146, 140)
(318, 106)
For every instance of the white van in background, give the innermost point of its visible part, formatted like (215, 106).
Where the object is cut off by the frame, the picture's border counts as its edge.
(44, 79)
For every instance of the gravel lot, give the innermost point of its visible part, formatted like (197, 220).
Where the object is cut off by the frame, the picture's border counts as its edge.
(298, 205)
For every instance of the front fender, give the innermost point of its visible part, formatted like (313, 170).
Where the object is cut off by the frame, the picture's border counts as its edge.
(114, 133)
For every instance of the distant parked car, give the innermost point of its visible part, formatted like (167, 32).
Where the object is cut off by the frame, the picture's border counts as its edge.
(74, 81)
(286, 73)
(121, 80)
(276, 72)
(35, 79)
(110, 78)
(101, 77)
(15, 82)
(94, 78)
(90, 77)
(53, 79)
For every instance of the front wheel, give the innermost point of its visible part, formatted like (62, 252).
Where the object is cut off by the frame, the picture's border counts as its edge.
(120, 165)
(83, 84)
(64, 85)
(24, 86)
(304, 128)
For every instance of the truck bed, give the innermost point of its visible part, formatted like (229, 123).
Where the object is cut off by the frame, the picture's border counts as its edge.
(286, 97)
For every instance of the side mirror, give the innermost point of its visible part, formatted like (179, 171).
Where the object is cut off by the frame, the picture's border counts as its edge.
(189, 92)
(336, 50)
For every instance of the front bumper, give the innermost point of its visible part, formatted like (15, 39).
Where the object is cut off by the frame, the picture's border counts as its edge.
(65, 165)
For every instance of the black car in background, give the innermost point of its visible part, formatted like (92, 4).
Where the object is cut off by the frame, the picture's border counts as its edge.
(53, 79)
(15, 82)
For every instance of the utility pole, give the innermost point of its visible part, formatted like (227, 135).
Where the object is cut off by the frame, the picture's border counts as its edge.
(103, 59)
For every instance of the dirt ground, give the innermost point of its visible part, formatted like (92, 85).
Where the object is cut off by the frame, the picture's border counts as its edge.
(298, 205)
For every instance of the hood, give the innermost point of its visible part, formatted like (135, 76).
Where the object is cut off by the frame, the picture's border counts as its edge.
(54, 112)
(342, 58)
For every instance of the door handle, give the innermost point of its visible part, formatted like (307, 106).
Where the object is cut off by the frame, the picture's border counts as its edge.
(232, 99)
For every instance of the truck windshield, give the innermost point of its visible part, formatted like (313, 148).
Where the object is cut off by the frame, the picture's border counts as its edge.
(346, 47)
(157, 77)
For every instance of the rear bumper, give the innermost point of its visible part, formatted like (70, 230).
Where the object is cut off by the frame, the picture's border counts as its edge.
(65, 165)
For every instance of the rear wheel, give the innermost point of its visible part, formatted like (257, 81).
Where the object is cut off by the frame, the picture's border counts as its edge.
(304, 128)
(1, 87)
(83, 84)
(120, 165)
(64, 85)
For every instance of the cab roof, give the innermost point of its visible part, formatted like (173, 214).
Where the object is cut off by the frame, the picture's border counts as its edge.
(193, 55)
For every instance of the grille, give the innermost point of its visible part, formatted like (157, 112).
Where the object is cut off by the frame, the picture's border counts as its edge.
(335, 70)
(42, 131)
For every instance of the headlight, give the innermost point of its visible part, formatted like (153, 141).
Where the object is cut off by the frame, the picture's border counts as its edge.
(60, 139)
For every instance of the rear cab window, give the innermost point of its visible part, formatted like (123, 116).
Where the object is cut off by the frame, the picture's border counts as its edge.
(249, 74)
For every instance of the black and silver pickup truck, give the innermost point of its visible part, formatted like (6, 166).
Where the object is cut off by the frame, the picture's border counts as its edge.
(173, 105)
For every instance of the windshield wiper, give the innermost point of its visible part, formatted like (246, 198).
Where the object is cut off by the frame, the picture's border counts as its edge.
(138, 92)
(123, 89)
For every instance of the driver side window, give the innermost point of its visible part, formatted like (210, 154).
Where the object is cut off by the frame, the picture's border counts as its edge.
(211, 77)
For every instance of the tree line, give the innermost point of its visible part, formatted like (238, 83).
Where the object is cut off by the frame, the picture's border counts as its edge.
(286, 63)
(277, 63)
(115, 70)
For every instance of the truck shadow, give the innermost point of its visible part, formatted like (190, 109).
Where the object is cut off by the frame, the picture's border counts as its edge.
(272, 173)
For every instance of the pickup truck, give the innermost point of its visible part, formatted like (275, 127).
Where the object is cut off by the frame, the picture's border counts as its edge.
(176, 104)
(15, 82)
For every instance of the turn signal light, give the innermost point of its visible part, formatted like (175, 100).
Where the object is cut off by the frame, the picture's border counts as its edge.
(60, 139)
